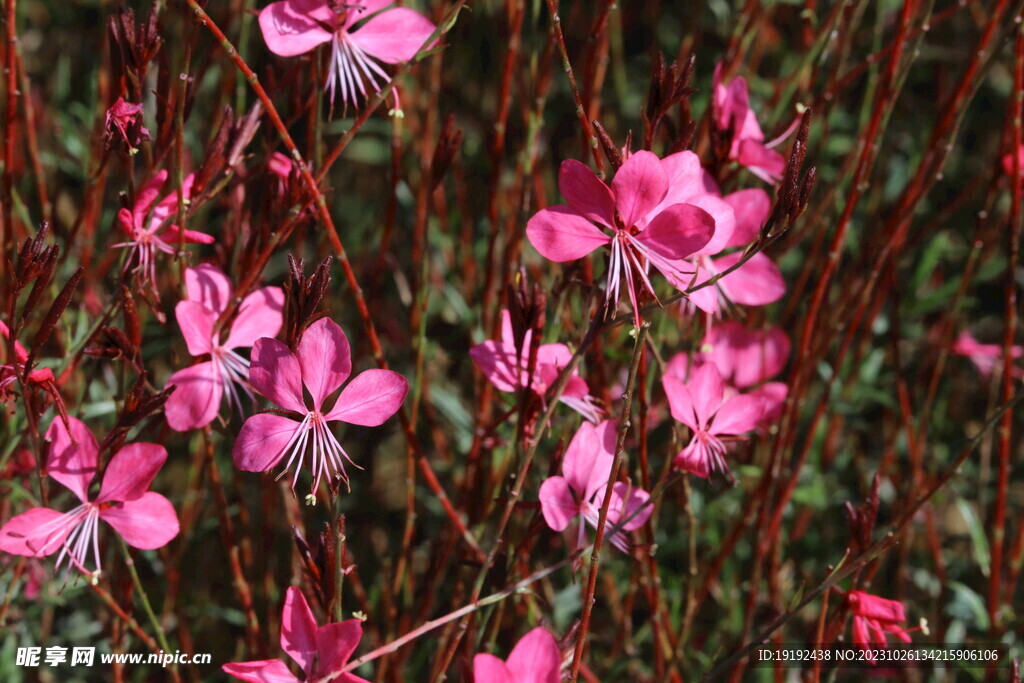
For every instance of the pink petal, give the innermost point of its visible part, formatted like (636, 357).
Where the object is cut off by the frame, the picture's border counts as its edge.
(725, 222)
(371, 398)
(627, 500)
(145, 197)
(168, 206)
(172, 235)
(586, 194)
(678, 366)
(130, 472)
(260, 315)
(325, 358)
(558, 355)
(860, 633)
(196, 323)
(705, 298)
(751, 208)
(588, 459)
(685, 178)
(773, 397)
(557, 503)
(262, 671)
(763, 358)
(694, 459)
(680, 402)
(757, 157)
(678, 231)
(706, 390)
(561, 234)
(73, 456)
(489, 669)
(274, 372)
(536, 658)
(260, 443)
(196, 399)
(207, 284)
(738, 415)
(146, 523)
(394, 35)
(335, 643)
(498, 364)
(874, 607)
(293, 27)
(298, 629)
(756, 283)
(36, 533)
(639, 186)
(357, 11)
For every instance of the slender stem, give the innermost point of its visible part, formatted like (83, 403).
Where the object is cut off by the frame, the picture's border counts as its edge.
(613, 475)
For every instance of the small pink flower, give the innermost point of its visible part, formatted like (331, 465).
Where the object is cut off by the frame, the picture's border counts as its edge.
(873, 619)
(125, 119)
(146, 237)
(144, 519)
(744, 358)
(9, 371)
(534, 659)
(200, 387)
(580, 491)
(986, 357)
(644, 229)
(731, 106)
(508, 371)
(390, 35)
(700, 404)
(321, 364)
(319, 650)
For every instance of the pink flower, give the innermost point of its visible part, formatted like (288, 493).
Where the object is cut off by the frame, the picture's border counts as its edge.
(508, 371)
(873, 619)
(986, 357)
(144, 519)
(319, 650)
(646, 230)
(580, 491)
(731, 107)
(9, 371)
(125, 119)
(744, 359)
(390, 35)
(700, 404)
(200, 387)
(321, 364)
(738, 221)
(143, 237)
(534, 659)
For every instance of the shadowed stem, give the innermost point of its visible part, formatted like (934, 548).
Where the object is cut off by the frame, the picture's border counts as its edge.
(613, 475)
(147, 606)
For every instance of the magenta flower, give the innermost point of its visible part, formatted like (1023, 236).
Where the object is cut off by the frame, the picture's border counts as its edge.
(744, 358)
(9, 371)
(508, 371)
(986, 357)
(320, 365)
(873, 619)
(700, 404)
(390, 35)
(319, 650)
(738, 221)
(200, 387)
(144, 519)
(644, 230)
(731, 107)
(581, 488)
(148, 236)
(534, 659)
(125, 119)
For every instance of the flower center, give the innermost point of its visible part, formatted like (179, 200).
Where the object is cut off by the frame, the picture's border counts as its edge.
(325, 453)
